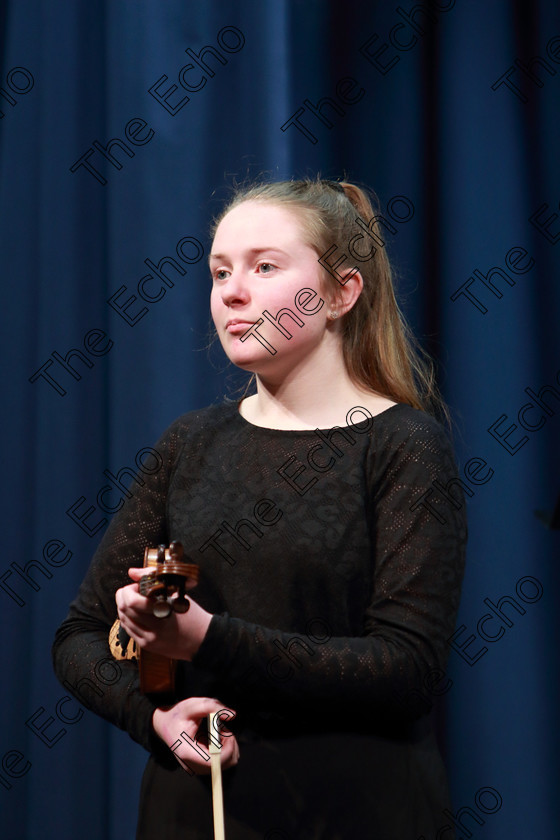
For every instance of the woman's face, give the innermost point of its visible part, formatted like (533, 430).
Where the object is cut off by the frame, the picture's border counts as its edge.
(261, 267)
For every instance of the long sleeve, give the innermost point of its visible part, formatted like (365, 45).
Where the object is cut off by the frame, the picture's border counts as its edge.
(81, 655)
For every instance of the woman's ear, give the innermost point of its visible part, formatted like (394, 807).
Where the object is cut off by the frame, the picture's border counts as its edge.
(342, 299)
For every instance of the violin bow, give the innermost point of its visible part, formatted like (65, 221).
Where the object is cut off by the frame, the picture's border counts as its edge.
(214, 746)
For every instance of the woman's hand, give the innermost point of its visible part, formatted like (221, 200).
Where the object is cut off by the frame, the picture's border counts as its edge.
(178, 636)
(178, 727)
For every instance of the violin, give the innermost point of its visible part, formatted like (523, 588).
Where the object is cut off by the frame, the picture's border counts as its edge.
(165, 585)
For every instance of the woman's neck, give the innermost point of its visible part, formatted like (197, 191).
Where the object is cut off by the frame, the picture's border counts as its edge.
(319, 398)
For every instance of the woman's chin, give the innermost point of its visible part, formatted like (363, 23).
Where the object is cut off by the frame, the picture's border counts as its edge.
(247, 358)
(267, 368)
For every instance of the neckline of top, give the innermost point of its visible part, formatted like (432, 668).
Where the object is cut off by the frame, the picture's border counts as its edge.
(369, 417)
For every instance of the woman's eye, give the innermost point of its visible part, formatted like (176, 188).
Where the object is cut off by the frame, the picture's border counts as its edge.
(221, 274)
(266, 268)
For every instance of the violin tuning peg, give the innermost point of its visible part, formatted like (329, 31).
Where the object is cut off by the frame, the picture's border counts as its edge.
(181, 604)
(176, 549)
(161, 607)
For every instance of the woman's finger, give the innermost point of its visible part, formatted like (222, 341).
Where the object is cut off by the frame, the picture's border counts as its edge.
(137, 572)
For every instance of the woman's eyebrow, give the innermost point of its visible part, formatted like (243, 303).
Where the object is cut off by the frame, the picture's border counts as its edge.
(252, 251)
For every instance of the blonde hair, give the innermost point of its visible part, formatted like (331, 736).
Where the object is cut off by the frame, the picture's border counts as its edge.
(380, 352)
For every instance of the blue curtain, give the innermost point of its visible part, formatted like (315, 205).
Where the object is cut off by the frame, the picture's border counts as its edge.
(123, 125)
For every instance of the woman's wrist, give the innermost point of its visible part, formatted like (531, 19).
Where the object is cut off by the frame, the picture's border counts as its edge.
(156, 722)
(198, 623)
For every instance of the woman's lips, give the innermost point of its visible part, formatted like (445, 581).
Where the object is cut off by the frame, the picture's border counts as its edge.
(238, 327)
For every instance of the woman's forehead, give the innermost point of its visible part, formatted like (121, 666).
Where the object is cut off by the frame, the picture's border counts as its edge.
(252, 217)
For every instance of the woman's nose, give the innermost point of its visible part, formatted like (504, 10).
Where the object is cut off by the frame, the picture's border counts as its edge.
(235, 290)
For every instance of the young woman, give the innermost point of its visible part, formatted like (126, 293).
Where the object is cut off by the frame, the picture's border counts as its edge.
(330, 569)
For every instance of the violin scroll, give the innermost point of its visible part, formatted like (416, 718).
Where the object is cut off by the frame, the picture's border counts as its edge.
(168, 579)
(165, 585)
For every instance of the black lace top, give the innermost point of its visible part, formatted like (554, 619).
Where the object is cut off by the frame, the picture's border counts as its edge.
(334, 576)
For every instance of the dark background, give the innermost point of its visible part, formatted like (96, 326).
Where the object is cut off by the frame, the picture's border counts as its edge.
(457, 111)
